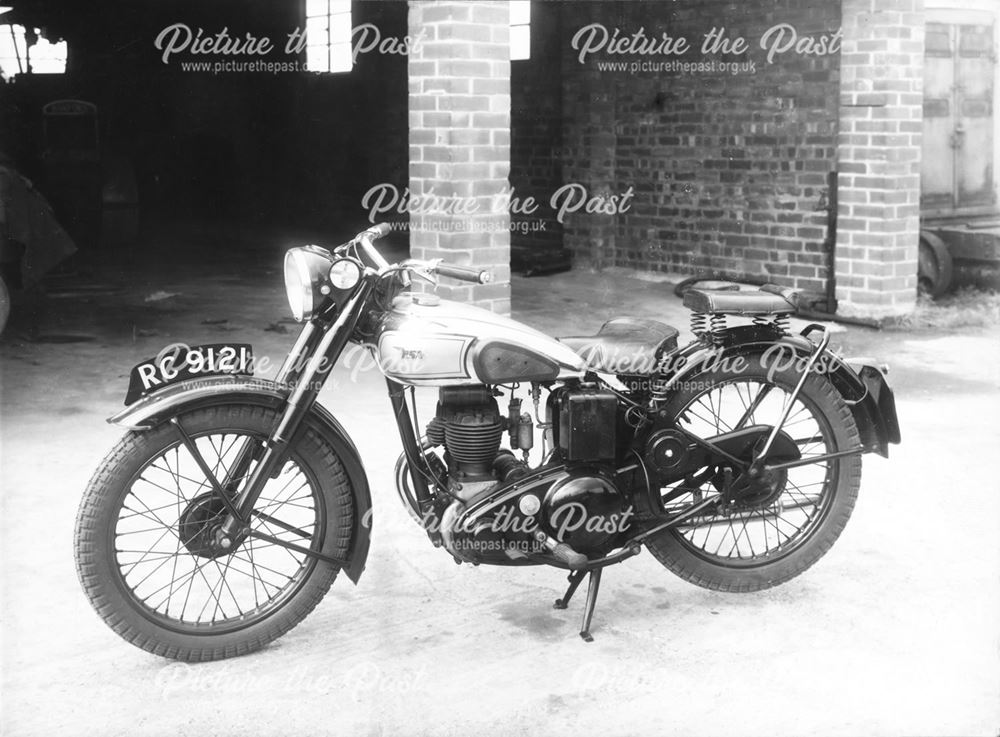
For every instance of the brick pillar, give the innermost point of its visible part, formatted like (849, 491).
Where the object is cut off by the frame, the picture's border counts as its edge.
(590, 135)
(460, 142)
(878, 156)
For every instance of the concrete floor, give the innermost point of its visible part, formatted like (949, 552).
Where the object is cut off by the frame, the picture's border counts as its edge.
(895, 632)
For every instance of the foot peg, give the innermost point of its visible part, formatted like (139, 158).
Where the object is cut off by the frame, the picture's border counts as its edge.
(570, 557)
(593, 586)
(562, 551)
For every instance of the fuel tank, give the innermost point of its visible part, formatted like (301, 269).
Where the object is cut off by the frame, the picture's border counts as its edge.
(427, 341)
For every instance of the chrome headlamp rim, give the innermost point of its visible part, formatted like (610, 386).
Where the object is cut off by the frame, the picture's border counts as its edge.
(306, 270)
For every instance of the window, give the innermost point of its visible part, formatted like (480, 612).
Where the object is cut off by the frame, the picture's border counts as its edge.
(42, 57)
(328, 35)
(520, 29)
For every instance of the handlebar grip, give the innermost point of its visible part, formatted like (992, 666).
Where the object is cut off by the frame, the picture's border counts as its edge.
(463, 273)
(380, 230)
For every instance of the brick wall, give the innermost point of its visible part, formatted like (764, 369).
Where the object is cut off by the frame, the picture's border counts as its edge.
(879, 156)
(459, 130)
(727, 169)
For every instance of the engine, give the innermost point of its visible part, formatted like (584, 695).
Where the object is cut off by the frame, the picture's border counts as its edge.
(469, 425)
(572, 510)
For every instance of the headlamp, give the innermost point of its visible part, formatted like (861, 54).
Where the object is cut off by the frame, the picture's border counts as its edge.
(306, 271)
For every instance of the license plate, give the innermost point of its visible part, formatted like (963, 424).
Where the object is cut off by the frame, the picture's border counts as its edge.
(179, 362)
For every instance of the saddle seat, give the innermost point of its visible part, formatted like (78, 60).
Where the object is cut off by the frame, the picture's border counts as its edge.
(726, 298)
(625, 345)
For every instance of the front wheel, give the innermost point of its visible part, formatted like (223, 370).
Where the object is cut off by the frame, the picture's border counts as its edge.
(793, 516)
(150, 563)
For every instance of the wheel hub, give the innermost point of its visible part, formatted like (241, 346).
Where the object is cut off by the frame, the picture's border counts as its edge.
(754, 488)
(199, 525)
(758, 492)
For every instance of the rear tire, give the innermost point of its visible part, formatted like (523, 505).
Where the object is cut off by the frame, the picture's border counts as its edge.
(717, 552)
(133, 490)
(935, 268)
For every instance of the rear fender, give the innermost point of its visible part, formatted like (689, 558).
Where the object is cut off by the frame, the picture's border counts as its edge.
(212, 391)
(864, 390)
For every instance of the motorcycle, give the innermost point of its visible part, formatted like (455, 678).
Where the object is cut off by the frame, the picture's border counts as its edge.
(227, 510)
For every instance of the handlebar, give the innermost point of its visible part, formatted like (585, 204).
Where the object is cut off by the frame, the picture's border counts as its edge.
(462, 273)
(365, 238)
(380, 230)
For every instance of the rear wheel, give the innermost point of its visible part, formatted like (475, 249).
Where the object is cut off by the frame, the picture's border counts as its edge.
(935, 270)
(148, 558)
(793, 516)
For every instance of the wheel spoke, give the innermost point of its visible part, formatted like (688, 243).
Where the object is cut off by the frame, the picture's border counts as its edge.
(153, 516)
(136, 513)
(222, 574)
(149, 550)
(211, 593)
(258, 577)
(762, 392)
(146, 577)
(180, 477)
(174, 584)
(253, 572)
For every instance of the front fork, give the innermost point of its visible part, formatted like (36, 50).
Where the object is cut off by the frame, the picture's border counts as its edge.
(319, 347)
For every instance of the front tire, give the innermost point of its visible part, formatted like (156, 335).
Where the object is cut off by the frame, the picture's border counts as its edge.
(771, 539)
(144, 553)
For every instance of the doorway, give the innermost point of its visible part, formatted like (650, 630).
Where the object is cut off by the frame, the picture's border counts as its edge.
(958, 170)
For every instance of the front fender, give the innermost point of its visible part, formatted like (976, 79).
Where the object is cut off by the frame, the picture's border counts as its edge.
(865, 391)
(212, 391)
